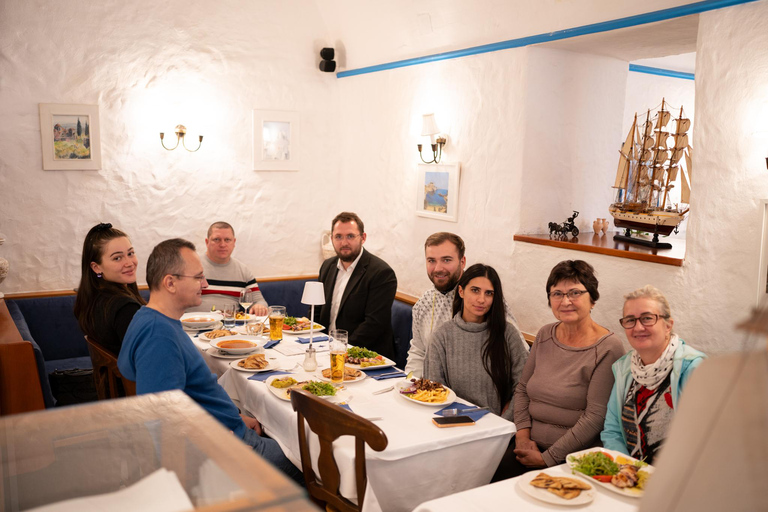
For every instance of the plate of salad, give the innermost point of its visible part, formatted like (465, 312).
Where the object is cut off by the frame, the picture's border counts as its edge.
(361, 358)
(300, 325)
(281, 387)
(612, 470)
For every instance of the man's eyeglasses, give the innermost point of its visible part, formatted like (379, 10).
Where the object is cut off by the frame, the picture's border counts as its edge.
(647, 319)
(199, 279)
(218, 240)
(349, 238)
(572, 295)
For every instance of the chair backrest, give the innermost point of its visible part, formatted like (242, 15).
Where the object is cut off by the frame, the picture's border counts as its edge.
(329, 422)
(106, 375)
(20, 389)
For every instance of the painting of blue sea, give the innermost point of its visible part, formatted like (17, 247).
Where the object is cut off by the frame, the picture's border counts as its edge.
(436, 191)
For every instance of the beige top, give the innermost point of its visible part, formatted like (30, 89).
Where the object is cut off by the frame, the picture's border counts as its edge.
(563, 392)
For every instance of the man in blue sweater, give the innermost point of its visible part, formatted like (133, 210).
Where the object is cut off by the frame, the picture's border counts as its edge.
(159, 355)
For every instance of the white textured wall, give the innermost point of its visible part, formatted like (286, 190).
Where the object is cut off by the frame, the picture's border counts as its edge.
(150, 66)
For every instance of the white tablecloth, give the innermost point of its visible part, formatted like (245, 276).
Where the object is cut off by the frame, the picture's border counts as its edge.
(421, 461)
(507, 495)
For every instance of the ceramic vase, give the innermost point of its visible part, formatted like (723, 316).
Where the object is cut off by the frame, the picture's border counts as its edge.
(597, 226)
(606, 225)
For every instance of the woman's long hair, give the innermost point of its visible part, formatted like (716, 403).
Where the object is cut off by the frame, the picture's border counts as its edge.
(497, 359)
(92, 286)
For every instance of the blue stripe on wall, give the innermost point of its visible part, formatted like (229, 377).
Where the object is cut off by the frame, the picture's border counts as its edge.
(661, 72)
(605, 26)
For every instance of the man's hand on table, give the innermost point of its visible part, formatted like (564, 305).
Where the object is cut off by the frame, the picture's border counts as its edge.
(259, 310)
(252, 423)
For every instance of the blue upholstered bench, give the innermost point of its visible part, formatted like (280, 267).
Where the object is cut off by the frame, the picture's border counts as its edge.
(50, 325)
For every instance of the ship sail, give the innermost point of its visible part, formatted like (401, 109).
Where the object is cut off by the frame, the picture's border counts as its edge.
(625, 160)
(685, 190)
(683, 125)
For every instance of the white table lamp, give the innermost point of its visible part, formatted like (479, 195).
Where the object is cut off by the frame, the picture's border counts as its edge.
(314, 295)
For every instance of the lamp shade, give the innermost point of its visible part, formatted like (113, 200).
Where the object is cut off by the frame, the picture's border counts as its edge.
(314, 294)
(428, 125)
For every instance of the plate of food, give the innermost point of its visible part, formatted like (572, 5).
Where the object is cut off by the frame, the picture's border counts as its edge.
(558, 490)
(216, 333)
(200, 320)
(238, 344)
(300, 325)
(426, 392)
(350, 375)
(282, 385)
(254, 363)
(218, 354)
(612, 470)
(361, 358)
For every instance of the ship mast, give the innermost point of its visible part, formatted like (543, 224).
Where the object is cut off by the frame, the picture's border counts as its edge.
(627, 152)
(674, 164)
(660, 148)
(640, 166)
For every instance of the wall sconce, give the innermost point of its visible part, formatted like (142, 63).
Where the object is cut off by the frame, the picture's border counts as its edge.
(429, 128)
(181, 131)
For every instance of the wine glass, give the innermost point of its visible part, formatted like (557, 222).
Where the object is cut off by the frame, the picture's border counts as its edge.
(246, 300)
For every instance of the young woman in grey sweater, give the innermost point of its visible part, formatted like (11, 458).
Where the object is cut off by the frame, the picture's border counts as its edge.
(478, 354)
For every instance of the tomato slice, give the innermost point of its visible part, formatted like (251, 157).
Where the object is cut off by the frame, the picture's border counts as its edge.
(603, 478)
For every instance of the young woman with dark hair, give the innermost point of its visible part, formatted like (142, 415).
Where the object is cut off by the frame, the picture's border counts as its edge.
(478, 354)
(107, 297)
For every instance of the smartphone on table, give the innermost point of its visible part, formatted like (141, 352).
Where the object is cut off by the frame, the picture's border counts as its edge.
(453, 421)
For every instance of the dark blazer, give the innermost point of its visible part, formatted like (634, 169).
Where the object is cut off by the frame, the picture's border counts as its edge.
(366, 306)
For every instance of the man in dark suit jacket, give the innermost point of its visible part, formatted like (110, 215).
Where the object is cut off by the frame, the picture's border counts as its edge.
(359, 289)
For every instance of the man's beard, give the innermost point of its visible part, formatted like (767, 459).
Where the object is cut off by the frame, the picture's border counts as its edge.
(352, 256)
(453, 280)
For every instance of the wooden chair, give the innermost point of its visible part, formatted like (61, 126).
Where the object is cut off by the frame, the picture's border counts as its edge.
(20, 389)
(106, 375)
(330, 422)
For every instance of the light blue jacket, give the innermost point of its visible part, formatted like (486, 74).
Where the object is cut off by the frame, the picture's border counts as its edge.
(685, 360)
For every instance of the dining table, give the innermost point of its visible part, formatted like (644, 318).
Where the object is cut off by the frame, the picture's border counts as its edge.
(421, 461)
(511, 495)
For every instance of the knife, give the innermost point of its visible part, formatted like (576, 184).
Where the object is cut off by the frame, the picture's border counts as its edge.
(457, 412)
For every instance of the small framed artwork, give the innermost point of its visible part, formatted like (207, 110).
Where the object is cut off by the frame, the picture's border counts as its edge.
(276, 141)
(437, 191)
(70, 137)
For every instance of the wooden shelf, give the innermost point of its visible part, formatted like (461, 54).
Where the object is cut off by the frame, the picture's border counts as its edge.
(590, 242)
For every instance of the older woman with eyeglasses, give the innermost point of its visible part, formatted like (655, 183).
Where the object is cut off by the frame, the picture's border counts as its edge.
(560, 399)
(649, 378)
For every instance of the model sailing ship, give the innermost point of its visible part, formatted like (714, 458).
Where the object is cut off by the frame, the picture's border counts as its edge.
(655, 155)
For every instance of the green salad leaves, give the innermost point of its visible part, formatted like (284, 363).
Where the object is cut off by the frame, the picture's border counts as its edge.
(594, 463)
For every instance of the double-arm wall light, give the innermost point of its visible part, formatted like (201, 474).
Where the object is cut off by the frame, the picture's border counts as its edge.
(429, 129)
(181, 131)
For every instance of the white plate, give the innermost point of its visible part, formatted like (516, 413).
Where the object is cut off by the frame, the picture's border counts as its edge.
(214, 352)
(625, 491)
(257, 341)
(204, 336)
(317, 329)
(213, 318)
(448, 400)
(319, 375)
(524, 483)
(271, 366)
(387, 364)
(217, 325)
(282, 393)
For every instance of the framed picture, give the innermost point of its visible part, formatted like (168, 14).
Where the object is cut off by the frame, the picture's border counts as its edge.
(276, 141)
(70, 137)
(437, 191)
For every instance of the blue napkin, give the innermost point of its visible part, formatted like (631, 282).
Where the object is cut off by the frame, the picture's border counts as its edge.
(345, 406)
(263, 376)
(315, 339)
(379, 373)
(271, 344)
(458, 405)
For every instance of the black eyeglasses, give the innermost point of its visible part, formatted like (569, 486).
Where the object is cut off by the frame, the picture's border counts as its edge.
(646, 319)
(571, 294)
(199, 279)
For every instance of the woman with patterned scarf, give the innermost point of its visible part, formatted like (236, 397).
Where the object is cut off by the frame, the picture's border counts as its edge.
(648, 379)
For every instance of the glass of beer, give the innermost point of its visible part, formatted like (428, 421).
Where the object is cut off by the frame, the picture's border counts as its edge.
(276, 319)
(338, 348)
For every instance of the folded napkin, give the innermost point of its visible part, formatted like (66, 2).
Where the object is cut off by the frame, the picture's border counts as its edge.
(476, 415)
(384, 373)
(262, 376)
(345, 406)
(315, 339)
(271, 344)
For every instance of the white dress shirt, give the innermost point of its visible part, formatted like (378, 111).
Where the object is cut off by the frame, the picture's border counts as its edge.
(342, 278)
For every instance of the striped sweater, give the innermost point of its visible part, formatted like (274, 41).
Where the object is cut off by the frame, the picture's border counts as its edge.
(225, 282)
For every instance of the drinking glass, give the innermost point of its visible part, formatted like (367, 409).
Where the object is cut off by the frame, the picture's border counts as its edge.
(338, 348)
(276, 319)
(228, 314)
(246, 300)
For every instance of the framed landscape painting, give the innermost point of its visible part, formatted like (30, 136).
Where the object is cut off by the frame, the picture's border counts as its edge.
(276, 141)
(437, 191)
(70, 137)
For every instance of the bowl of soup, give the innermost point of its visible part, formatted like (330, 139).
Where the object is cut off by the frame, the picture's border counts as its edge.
(200, 320)
(238, 344)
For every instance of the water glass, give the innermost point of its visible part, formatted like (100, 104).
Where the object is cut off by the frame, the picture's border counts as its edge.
(228, 314)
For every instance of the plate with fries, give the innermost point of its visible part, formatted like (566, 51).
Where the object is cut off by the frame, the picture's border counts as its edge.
(430, 398)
